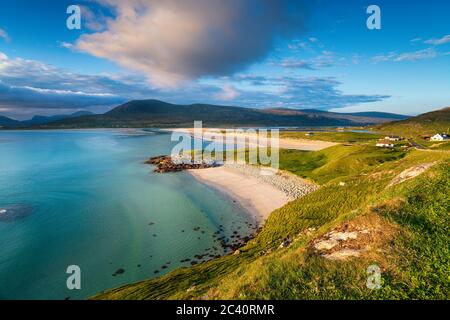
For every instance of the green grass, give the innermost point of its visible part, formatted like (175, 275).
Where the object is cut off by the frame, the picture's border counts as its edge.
(417, 264)
(418, 257)
(416, 127)
(344, 137)
(335, 162)
(445, 146)
(424, 244)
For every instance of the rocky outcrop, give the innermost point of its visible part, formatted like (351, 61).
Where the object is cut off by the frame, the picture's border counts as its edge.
(367, 234)
(411, 173)
(169, 164)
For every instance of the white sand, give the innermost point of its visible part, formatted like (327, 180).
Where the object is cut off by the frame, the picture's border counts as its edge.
(258, 197)
(284, 143)
(307, 145)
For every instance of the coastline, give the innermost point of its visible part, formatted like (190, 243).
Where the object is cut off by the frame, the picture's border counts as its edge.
(259, 195)
(284, 143)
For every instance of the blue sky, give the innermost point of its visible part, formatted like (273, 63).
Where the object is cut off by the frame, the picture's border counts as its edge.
(312, 54)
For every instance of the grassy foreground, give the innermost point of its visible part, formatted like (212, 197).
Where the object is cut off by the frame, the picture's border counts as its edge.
(411, 245)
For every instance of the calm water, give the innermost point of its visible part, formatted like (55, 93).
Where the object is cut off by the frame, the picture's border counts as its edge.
(85, 198)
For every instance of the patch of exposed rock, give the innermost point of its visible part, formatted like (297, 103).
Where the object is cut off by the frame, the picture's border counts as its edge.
(343, 254)
(333, 245)
(411, 173)
(354, 238)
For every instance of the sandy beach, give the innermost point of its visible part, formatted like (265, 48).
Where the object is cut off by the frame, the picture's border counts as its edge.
(259, 194)
(284, 143)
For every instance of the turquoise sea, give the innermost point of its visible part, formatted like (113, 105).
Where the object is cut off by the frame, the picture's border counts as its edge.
(85, 198)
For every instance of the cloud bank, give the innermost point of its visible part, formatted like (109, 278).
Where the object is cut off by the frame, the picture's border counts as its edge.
(424, 54)
(29, 87)
(321, 93)
(174, 40)
(439, 41)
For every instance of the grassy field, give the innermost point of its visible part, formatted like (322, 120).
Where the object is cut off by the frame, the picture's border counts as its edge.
(338, 161)
(379, 133)
(334, 136)
(412, 251)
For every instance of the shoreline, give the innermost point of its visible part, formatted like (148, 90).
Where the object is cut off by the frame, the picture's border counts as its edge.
(284, 143)
(259, 195)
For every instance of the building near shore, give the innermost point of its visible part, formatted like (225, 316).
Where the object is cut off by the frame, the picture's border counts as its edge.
(393, 138)
(440, 137)
(385, 144)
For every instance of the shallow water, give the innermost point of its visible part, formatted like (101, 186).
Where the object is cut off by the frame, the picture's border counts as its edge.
(85, 198)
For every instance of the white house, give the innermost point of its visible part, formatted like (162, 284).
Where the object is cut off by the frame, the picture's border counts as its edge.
(440, 137)
(385, 145)
(393, 138)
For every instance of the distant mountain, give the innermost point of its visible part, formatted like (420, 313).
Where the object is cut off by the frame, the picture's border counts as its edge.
(39, 120)
(7, 122)
(361, 117)
(424, 124)
(381, 115)
(155, 113)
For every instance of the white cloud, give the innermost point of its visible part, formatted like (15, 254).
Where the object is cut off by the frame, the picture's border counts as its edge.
(311, 44)
(417, 55)
(228, 93)
(29, 87)
(4, 35)
(296, 64)
(324, 60)
(174, 40)
(66, 45)
(94, 21)
(440, 41)
(429, 53)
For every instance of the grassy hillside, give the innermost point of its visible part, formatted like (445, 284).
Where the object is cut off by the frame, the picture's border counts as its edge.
(407, 235)
(425, 124)
(417, 130)
(338, 161)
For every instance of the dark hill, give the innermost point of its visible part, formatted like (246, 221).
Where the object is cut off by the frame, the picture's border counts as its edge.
(39, 120)
(155, 113)
(7, 122)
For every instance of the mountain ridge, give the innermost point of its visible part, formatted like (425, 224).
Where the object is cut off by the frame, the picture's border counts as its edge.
(156, 113)
(40, 120)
